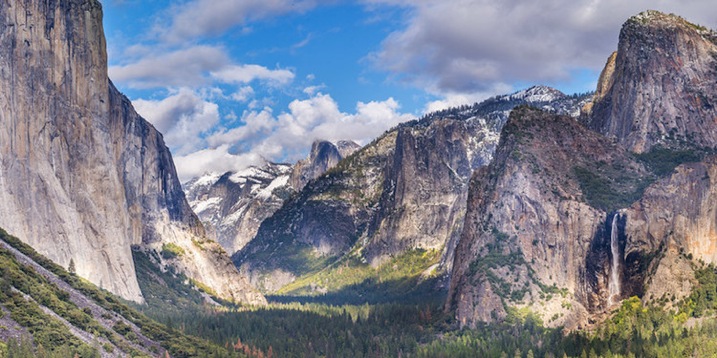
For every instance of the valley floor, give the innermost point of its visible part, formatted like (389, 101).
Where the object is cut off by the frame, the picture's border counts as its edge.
(416, 330)
(42, 305)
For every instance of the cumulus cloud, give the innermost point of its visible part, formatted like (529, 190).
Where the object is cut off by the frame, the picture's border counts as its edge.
(183, 118)
(468, 46)
(190, 124)
(243, 94)
(287, 136)
(200, 18)
(194, 67)
(217, 160)
(241, 74)
(184, 67)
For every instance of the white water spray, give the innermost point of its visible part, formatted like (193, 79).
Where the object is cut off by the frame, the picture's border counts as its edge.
(614, 284)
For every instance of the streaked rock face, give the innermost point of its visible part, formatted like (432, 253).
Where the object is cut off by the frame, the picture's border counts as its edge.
(60, 188)
(660, 89)
(82, 176)
(324, 156)
(530, 225)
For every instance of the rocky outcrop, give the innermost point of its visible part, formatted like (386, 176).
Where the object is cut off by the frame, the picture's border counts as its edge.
(660, 90)
(406, 190)
(82, 176)
(605, 83)
(324, 156)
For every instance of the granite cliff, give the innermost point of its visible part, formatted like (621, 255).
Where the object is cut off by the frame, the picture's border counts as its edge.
(82, 176)
(658, 88)
(324, 155)
(623, 206)
(535, 233)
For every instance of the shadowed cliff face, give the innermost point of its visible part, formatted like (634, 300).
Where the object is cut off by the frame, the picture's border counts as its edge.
(626, 208)
(659, 90)
(82, 176)
(675, 220)
(406, 190)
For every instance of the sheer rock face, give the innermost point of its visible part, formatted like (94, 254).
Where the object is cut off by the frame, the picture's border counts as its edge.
(529, 227)
(532, 224)
(660, 90)
(675, 219)
(406, 190)
(82, 176)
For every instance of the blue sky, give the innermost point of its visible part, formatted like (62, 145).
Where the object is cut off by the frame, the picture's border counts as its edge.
(231, 83)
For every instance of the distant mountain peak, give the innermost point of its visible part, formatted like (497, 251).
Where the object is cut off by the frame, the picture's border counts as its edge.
(537, 94)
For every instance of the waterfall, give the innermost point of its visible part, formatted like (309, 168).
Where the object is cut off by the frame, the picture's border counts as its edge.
(614, 284)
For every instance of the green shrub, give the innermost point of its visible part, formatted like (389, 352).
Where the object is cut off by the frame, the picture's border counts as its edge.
(663, 161)
(171, 251)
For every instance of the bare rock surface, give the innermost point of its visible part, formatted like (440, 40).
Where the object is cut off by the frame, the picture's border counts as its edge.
(82, 176)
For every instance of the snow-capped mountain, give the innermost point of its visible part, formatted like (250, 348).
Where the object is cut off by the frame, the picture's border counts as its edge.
(233, 205)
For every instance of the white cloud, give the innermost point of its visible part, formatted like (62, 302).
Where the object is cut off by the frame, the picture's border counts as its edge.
(312, 90)
(195, 67)
(468, 46)
(217, 160)
(183, 118)
(242, 74)
(232, 116)
(254, 124)
(243, 94)
(187, 121)
(288, 136)
(200, 18)
(184, 67)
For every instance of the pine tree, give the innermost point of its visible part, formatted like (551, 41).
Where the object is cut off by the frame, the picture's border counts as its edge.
(71, 267)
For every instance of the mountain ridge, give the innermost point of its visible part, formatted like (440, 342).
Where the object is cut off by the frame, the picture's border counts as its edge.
(403, 191)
